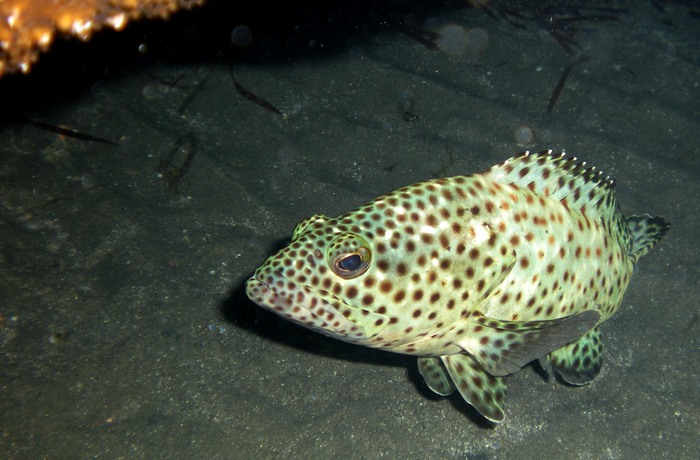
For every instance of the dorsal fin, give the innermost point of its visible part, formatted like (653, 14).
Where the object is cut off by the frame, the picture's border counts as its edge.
(560, 177)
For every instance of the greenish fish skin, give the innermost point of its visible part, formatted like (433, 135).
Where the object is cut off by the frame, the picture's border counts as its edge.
(475, 275)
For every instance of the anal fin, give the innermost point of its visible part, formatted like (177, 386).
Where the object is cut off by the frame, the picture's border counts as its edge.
(579, 362)
(483, 391)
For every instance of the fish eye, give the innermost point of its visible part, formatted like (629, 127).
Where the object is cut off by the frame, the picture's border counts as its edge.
(349, 256)
(350, 265)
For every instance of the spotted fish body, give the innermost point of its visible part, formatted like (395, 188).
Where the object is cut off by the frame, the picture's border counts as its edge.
(476, 275)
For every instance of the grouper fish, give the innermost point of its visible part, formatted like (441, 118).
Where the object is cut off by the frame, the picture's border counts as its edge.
(475, 275)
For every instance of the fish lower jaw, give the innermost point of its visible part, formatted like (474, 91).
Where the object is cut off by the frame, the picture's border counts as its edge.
(297, 306)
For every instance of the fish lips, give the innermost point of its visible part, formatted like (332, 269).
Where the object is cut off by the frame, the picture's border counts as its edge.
(305, 307)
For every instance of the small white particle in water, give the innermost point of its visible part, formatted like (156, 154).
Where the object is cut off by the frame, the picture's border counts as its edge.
(87, 181)
(524, 135)
(149, 92)
(242, 36)
(452, 40)
(477, 40)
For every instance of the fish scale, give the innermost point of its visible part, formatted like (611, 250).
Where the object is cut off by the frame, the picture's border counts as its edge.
(476, 275)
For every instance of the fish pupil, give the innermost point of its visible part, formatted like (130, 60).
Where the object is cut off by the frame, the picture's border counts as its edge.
(350, 263)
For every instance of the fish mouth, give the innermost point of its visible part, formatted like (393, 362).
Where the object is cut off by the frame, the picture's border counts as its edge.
(305, 307)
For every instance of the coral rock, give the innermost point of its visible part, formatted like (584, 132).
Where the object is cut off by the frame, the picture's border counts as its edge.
(28, 27)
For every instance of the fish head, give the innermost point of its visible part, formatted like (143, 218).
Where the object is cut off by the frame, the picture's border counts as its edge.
(394, 274)
(318, 281)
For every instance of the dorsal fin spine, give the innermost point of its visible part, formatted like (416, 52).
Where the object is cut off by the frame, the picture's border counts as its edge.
(566, 179)
(578, 186)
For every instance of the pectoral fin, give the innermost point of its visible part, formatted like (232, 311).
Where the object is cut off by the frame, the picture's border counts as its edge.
(504, 347)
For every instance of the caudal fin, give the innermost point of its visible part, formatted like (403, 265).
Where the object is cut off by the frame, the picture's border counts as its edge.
(646, 231)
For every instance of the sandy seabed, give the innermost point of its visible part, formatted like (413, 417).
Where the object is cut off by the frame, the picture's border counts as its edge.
(124, 328)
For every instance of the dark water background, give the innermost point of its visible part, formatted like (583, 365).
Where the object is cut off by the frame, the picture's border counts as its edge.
(124, 329)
